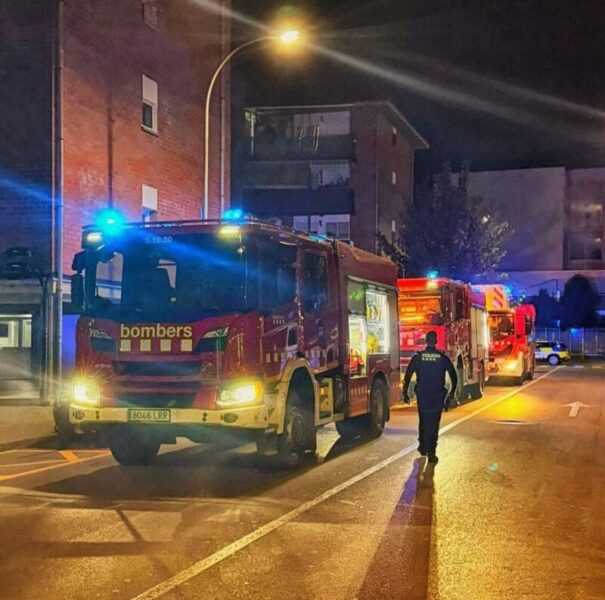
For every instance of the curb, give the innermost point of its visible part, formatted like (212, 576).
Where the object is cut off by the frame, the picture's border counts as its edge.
(28, 443)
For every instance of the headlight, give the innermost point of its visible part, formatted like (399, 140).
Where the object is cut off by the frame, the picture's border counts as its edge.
(242, 395)
(511, 365)
(86, 392)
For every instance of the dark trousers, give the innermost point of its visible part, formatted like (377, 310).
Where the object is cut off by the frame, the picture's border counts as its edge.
(428, 429)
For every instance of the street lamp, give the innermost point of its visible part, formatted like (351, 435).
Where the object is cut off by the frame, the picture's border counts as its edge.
(287, 38)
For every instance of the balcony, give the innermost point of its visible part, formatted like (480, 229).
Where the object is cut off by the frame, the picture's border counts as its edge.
(277, 175)
(289, 202)
(329, 147)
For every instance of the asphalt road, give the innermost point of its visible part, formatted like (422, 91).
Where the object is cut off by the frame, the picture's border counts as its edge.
(514, 509)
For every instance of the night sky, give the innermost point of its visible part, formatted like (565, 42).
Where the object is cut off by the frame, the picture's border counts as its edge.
(496, 83)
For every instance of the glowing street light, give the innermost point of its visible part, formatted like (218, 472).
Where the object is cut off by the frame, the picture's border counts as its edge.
(288, 38)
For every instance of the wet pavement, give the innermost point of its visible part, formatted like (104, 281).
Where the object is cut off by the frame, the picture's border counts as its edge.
(514, 509)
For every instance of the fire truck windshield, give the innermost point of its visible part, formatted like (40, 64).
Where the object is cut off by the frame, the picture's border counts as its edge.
(180, 277)
(500, 326)
(420, 310)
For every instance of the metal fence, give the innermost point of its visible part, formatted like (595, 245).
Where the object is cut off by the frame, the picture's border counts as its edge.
(581, 342)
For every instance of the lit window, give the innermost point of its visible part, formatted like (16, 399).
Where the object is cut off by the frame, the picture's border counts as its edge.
(149, 216)
(149, 201)
(586, 215)
(150, 13)
(301, 223)
(149, 119)
(341, 230)
(394, 177)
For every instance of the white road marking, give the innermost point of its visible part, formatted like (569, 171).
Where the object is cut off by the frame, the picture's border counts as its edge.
(204, 564)
(575, 408)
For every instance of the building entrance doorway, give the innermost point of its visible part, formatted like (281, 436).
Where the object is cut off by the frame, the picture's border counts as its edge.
(16, 347)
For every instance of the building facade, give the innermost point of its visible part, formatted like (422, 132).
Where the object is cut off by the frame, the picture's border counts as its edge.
(556, 218)
(340, 170)
(105, 110)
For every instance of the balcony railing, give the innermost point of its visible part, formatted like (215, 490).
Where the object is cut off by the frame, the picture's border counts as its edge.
(278, 174)
(326, 147)
(288, 202)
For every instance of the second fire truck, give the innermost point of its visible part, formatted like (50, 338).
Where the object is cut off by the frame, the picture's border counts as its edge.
(457, 314)
(194, 329)
(512, 335)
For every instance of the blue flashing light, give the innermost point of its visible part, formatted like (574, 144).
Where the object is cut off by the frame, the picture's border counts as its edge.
(110, 221)
(233, 214)
(432, 274)
(509, 290)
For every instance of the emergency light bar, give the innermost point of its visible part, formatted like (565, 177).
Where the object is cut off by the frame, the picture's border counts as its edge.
(233, 214)
(110, 221)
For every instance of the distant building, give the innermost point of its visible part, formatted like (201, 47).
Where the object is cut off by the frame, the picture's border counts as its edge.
(558, 229)
(102, 105)
(339, 170)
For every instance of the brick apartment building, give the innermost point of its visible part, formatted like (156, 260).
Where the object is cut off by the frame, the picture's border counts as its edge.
(102, 106)
(342, 170)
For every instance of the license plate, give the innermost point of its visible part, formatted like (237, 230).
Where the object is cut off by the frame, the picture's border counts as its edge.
(146, 415)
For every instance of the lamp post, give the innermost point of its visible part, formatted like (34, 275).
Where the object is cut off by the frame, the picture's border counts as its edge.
(287, 38)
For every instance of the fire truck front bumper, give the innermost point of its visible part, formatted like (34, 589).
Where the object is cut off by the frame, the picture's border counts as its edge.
(251, 417)
(506, 367)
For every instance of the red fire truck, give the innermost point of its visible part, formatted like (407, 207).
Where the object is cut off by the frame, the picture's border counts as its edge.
(457, 314)
(190, 329)
(512, 335)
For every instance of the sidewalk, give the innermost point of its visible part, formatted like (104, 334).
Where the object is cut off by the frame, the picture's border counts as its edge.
(18, 392)
(23, 425)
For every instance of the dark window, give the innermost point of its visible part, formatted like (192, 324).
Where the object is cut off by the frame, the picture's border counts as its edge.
(147, 115)
(461, 312)
(585, 246)
(277, 273)
(315, 282)
(4, 330)
(181, 277)
(150, 13)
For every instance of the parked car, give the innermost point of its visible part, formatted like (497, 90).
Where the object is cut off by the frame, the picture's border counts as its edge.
(552, 352)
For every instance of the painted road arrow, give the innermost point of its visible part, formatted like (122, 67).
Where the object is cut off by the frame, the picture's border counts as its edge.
(575, 408)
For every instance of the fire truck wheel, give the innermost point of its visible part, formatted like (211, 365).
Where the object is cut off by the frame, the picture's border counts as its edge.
(129, 448)
(299, 433)
(372, 424)
(461, 389)
(379, 408)
(476, 390)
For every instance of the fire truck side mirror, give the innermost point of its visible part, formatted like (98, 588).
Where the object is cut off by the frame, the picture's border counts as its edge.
(77, 292)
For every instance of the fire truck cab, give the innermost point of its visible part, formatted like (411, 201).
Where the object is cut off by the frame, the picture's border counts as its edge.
(198, 329)
(458, 316)
(512, 335)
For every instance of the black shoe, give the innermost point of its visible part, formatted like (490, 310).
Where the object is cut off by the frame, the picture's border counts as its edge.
(433, 458)
(422, 451)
